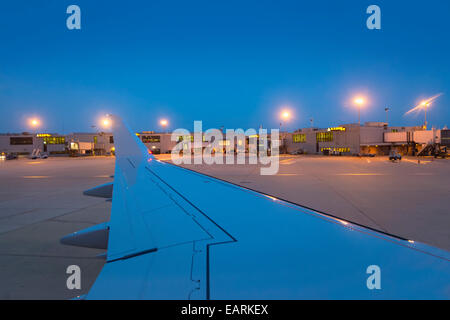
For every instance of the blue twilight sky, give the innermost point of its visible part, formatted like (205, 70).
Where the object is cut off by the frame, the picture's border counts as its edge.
(229, 63)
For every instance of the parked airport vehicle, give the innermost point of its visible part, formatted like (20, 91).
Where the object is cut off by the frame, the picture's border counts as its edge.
(299, 151)
(441, 152)
(371, 155)
(335, 153)
(37, 154)
(394, 155)
(8, 156)
(11, 156)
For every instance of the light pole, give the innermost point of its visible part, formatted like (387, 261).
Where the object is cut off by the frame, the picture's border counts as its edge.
(359, 103)
(163, 123)
(285, 115)
(387, 119)
(34, 123)
(425, 105)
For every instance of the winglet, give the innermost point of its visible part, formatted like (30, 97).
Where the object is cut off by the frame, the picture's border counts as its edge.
(126, 142)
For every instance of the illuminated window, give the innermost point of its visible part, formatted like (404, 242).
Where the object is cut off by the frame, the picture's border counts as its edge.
(54, 140)
(324, 136)
(339, 149)
(299, 138)
(151, 139)
(336, 129)
(186, 138)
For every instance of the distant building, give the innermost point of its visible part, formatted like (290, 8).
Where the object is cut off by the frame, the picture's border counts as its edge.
(24, 143)
(348, 139)
(370, 138)
(100, 143)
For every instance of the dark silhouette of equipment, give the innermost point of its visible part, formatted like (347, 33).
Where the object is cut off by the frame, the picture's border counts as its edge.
(434, 149)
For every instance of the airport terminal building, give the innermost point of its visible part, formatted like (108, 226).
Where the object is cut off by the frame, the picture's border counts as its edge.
(371, 138)
(24, 143)
(375, 138)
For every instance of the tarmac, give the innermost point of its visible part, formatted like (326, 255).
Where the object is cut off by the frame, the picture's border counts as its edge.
(41, 201)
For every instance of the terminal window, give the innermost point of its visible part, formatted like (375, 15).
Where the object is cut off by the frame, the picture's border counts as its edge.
(151, 139)
(54, 140)
(324, 136)
(445, 137)
(186, 138)
(299, 138)
(339, 149)
(20, 140)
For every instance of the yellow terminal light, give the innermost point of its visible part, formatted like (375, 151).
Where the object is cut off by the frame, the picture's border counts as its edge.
(336, 129)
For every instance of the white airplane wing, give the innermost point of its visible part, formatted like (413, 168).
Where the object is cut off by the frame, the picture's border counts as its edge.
(178, 234)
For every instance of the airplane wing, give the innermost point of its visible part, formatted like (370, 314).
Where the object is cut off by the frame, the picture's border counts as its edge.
(178, 234)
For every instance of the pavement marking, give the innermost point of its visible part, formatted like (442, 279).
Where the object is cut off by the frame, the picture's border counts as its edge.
(288, 161)
(36, 177)
(360, 174)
